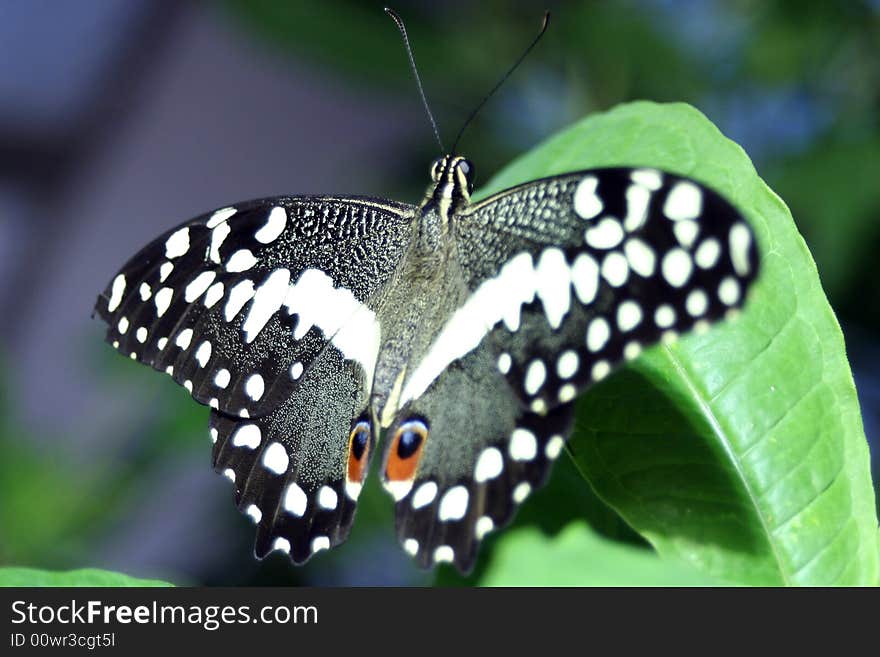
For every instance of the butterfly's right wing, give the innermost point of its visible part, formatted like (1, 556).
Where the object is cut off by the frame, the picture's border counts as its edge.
(265, 312)
(567, 277)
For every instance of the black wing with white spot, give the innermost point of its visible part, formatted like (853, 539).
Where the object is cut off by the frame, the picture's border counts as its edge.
(297, 471)
(253, 308)
(568, 277)
(577, 273)
(236, 303)
(476, 454)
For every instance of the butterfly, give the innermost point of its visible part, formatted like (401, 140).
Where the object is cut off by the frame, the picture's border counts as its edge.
(460, 332)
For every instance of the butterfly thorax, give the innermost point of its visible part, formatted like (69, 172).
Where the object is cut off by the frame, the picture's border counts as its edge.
(452, 179)
(428, 287)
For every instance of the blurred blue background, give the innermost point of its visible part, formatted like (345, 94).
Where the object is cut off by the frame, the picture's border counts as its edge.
(119, 120)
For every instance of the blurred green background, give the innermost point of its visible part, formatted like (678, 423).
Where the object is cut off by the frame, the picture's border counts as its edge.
(119, 120)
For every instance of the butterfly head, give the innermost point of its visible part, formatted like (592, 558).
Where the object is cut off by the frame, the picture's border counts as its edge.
(452, 181)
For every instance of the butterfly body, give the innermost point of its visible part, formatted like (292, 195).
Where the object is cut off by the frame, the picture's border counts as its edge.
(461, 331)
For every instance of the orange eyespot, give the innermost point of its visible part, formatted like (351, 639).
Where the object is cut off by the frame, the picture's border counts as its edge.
(358, 451)
(406, 450)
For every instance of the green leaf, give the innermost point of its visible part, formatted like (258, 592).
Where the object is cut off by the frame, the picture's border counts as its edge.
(82, 577)
(579, 557)
(740, 451)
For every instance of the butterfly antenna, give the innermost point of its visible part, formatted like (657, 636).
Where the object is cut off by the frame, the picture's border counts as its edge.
(412, 62)
(544, 24)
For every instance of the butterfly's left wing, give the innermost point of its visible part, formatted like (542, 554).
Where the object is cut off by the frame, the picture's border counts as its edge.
(265, 312)
(568, 277)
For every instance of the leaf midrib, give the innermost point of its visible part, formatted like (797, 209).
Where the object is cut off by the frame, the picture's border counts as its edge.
(707, 412)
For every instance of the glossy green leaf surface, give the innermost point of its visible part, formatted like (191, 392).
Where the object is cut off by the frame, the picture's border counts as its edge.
(578, 557)
(80, 577)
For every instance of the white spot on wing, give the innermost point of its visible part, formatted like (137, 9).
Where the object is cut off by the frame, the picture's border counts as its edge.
(327, 498)
(239, 295)
(218, 236)
(650, 178)
(273, 227)
(454, 504)
(740, 241)
(222, 378)
(696, 303)
(116, 292)
(337, 313)
(178, 243)
(275, 458)
(411, 546)
(607, 234)
(707, 253)
(254, 387)
(122, 326)
(629, 314)
(632, 350)
(295, 500)
(640, 257)
(163, 300)
(220, 216)
(615, 268)
(214, 294)
(597, 334)
(141, 334)
(254, 512)
(398, 489)
(247, 435)
(664, 317)
(554, 447)
(677, 266)
(600, 370)
(553, 283)
(184, 338)
(267, 300)
(585, 278)
(637, 201)
(165, 271)
(523, 445)
(536, 374)
(684, 201)
(240, 261)
(728, 291)
(198, 286)
(489, 465)
(586, 202)
(353, 489)
(320, 543)
(484, 525)
(567, 364)
(296, 370)
(424, 495)
(444, 554)
(281, 544)
(521, 492)
(686, 232)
